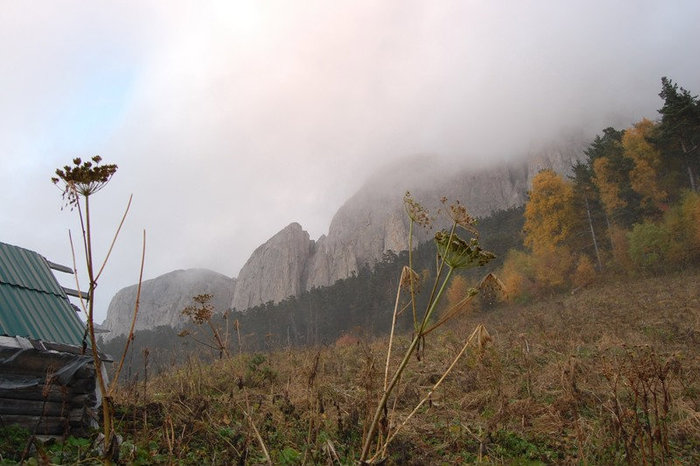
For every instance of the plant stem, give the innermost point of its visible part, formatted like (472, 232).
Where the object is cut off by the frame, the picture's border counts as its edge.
(437, 384)
(106, 400)
(399, 371)
(410, 266)
(393, 327)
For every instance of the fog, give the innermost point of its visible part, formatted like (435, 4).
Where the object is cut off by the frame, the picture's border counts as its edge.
(229, 121)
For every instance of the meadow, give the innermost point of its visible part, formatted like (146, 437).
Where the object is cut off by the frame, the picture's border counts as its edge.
(607, 375)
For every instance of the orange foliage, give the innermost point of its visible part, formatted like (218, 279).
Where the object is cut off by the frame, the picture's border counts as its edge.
(606, 180)
(517, 274)
(552, 266)
(647, 159)
(346, 340)
(456, 292)
(549, 214)
(585, 273)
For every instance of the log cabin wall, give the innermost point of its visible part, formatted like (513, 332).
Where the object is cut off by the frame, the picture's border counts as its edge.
(48, 392)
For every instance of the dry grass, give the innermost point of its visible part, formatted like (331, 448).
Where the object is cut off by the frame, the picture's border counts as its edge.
(610, 375)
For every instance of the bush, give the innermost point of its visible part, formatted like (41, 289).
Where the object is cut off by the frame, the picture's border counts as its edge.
(552, 267)
(517, 275)
(649, 245)
(585, 273)
(683, 225)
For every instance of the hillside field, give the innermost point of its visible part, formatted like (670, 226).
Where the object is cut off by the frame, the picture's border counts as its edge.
(608, 375)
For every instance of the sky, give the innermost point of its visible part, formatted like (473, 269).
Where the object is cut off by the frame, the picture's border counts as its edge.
(229, 120)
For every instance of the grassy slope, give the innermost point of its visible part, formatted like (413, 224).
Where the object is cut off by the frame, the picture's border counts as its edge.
(556, 385)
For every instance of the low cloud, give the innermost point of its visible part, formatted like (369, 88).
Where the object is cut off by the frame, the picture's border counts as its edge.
(231, 120)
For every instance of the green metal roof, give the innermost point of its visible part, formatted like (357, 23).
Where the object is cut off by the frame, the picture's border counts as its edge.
(32, 303)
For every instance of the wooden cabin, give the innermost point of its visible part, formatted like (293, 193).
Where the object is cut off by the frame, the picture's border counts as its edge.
(47, 377)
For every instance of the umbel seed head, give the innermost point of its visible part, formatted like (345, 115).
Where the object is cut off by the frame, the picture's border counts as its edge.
(460, 254)
(83, 178)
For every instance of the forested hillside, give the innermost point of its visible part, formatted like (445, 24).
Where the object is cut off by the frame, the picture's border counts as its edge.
(359, 306)
(630, 208)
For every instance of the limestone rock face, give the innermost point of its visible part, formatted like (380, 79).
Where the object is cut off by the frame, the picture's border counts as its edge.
(163, 299)
(374, 221)
(370, 223)
(275, 270)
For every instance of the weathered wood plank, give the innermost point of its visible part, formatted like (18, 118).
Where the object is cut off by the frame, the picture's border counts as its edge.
(54, 393)
(46, 408)
(46, 425)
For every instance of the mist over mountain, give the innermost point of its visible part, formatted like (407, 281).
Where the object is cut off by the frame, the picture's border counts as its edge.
(163, 299)
(367, 225)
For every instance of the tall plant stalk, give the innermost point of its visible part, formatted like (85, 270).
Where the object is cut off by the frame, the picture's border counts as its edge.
(81, 181)
(453, 252)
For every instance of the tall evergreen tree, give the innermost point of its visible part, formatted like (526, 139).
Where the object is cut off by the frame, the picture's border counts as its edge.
(679, 131)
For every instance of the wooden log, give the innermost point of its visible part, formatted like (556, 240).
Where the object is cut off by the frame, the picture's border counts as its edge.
(41, 393)
(33, 408)
(44, 425)
(52, 393)
(30, 362)
(46, 408)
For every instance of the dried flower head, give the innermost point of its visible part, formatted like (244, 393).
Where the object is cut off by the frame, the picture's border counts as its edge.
(459, 215)
(408, 275)
(483, 339)
(83, 178)
(416, 212)
(460, 254)
(202, 311)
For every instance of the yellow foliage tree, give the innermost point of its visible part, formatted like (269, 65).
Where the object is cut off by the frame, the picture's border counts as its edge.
(552, 266)
(606, 179)
(549, 213)
(683, 224)
(549, 220)
(643, 177)
(517, 274)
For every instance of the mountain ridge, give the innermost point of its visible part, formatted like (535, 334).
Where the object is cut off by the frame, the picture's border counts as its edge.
(368, 224)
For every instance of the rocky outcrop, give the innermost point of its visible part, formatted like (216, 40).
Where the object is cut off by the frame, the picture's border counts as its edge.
(373, 221)
(163, 299)
(275, 270)
(369, 224)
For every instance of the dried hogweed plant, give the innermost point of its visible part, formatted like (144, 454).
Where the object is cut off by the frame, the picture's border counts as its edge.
(78, 182)
(200, 313)
(453, 253)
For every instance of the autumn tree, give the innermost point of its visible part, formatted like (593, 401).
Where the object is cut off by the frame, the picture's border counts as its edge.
(457, 292)
(548, 214)
(647, 161)
(549, 220)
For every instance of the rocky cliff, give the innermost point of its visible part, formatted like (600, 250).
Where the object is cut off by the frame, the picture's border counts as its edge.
(275, 270)
(163, 299)
(370, 223)
(373, 221)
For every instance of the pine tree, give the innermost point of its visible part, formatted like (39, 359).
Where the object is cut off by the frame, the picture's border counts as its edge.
(679, 131)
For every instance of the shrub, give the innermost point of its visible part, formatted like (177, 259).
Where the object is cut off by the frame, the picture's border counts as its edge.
(552, 266)
(517, 275)
(682, 222)
(649, 245)
(585, 273)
